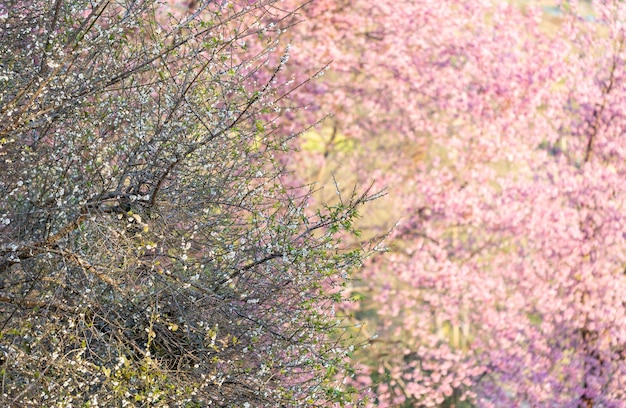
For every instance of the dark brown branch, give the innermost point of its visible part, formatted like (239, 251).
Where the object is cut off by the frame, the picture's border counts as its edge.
(597, 113)
(31, 303)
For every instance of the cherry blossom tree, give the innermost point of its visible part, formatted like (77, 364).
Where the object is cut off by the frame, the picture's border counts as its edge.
(504, 138)
(151, 251)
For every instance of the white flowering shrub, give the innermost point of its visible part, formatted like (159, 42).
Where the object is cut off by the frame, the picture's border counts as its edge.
(153, 251)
